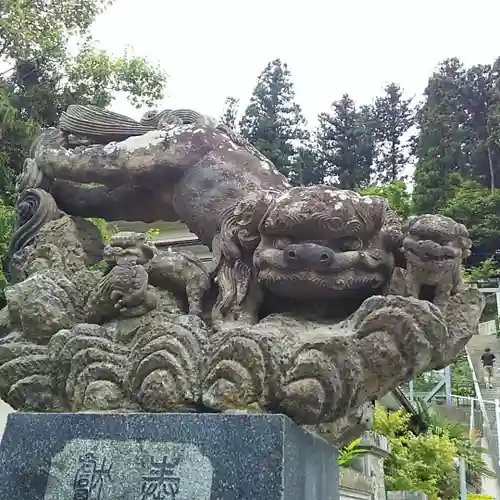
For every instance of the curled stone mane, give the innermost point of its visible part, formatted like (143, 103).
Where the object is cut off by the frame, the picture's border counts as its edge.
(232, 247)
(103, 125)
(327, 209)
(392, 228)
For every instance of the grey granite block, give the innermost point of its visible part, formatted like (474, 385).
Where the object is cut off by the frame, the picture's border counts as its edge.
(92, 456)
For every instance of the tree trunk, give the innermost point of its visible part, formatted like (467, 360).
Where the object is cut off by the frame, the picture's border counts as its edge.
(492, 171)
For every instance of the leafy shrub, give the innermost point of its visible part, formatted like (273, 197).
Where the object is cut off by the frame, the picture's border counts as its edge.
(104, 227)
(426, 462)
(348, 453)
(7, 226)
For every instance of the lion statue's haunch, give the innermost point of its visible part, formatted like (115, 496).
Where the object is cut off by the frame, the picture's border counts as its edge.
(301, 310)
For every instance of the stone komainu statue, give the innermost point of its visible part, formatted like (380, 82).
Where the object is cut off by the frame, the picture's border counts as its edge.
(297, 313)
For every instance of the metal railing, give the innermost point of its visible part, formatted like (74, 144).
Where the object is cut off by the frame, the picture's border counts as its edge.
(493, 444)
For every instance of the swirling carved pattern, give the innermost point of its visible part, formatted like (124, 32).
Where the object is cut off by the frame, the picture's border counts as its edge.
(89, 361)
(319, 384)
(26, 376)
(166, 364)
(105, 126)
(394, 339)
(242, 371)
(34, 208)
(236, 238)
(330, 211)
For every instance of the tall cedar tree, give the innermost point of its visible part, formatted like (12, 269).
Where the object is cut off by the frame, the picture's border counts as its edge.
(306, 170)
(273, 122)
(394, 117)
(459, 132)
(481, 148)
(345, 139)
(230, 113)
(442, 135)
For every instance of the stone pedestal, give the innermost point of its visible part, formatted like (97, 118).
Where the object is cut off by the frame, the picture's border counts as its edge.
(377, 450)
(92, 456)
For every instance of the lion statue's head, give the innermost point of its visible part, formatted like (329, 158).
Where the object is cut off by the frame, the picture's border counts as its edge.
(310, 243)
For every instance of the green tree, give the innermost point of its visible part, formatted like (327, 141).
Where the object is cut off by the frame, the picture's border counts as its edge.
(479, 149)
(306, 170)
(394, 117)
(475, 206)
(396, 194)
(273, 121)
(468, 446)
(439, 149)
(345, 141)
(426, 462)
(423, 462)
(42, 77)
(230, 113)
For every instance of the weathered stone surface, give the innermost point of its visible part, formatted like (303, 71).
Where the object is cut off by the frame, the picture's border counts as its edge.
(435, 247)
(123, 291)
(206, 457)
(181, 271)
(347, 428)
(313, 312)
(316, 373)
(42, 304)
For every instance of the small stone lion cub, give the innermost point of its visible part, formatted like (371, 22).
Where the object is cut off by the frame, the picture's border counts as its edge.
(434, 247)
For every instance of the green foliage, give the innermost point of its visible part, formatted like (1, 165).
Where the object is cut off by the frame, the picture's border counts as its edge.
(393, 116)
(107, 230)
(348, 453)
(461, 379)
(476, 207)
(487, 269)
(94, 77)
(345, 144)
(104, 227)
(7, 225)
(273, 121)
(468, 447)
(459, 126)
(42, 77)
(230, 113)
(152, 233)
(425, 462)
(306, 170)
(396, 194)
(441, 135)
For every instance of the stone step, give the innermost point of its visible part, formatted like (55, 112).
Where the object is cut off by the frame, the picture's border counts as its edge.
(476, 347)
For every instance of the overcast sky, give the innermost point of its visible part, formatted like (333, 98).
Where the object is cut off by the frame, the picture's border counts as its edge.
(217, 48)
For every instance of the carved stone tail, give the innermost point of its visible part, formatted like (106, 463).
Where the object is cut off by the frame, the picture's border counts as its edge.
(34, 208)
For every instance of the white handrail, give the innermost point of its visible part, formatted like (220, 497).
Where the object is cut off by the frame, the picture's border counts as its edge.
(486, 421)
(477, 389)
(473, 399)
